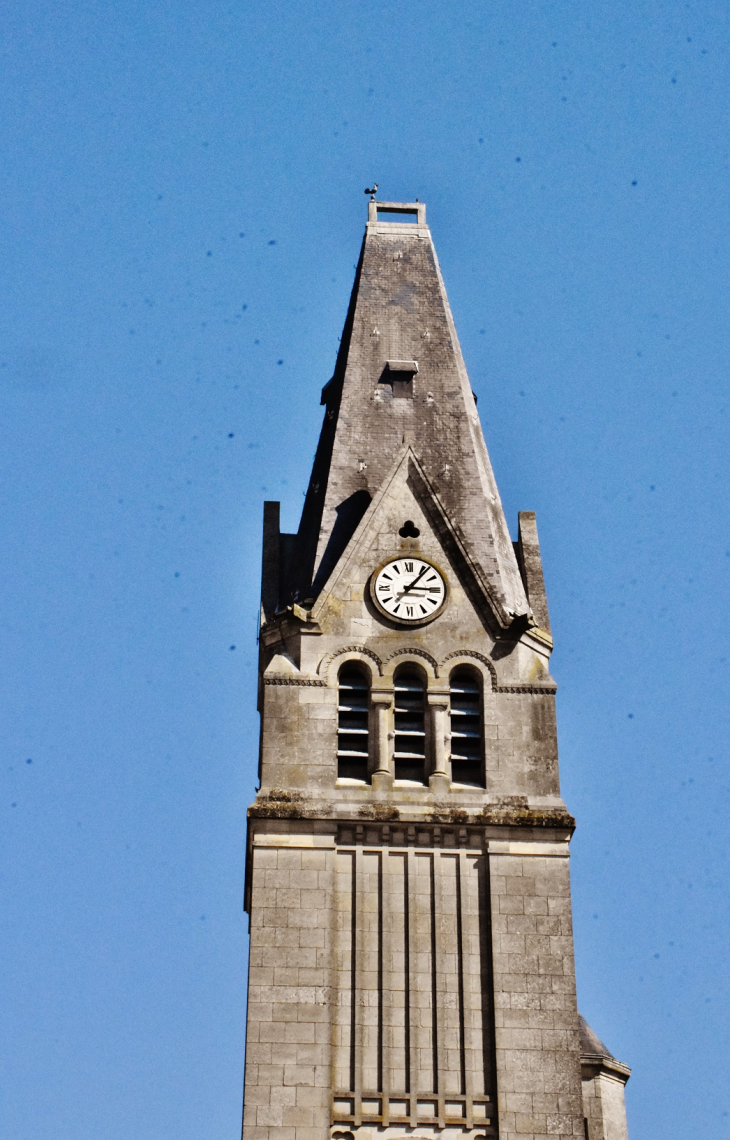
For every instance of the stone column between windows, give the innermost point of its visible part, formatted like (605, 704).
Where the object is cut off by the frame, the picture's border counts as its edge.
(382, 704)
(440, 779)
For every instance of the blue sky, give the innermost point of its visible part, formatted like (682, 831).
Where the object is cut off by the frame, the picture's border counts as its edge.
(182, 193)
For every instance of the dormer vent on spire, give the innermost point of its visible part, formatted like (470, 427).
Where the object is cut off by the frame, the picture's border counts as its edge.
(402, 366)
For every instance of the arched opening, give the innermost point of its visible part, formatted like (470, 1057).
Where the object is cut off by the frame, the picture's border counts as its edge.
(353, 702)
(409, 754)
(467, 752)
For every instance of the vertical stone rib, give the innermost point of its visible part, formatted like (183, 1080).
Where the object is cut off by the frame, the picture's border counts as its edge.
(388, 942)
(471, 981)
(486, 977)
(395, 975)
(370, 974)
(380, 1084)
(343, 1036)
(460, 971)
(413, 1008)
(436, 1035)
(407, 1012)
(450, 1044)
(357, 983)
(353, 971)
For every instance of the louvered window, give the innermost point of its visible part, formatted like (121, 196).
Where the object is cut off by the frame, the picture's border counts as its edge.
(352, 724)
(467, 765)
(410, 727)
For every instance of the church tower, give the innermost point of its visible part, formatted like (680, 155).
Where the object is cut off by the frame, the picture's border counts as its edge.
(407, 878)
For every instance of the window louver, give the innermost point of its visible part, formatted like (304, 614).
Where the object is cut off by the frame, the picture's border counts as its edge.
(352, 725)
(466, 730)
(410, 728)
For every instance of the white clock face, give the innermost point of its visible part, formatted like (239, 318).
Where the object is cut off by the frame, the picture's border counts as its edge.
(409, 590)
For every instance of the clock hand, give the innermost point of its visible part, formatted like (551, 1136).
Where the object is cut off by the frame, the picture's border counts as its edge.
(415, 580)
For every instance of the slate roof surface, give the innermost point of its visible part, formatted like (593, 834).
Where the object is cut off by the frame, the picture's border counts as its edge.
(590, 1043)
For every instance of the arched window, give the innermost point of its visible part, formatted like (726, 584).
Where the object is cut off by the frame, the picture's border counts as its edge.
(467, 762)
(352, 723)
(409, 755)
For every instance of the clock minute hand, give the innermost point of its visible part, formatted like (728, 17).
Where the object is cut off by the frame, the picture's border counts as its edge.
(415, 580)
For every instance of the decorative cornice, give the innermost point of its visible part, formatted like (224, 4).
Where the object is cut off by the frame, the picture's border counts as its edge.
(540, 690)
(306, 681)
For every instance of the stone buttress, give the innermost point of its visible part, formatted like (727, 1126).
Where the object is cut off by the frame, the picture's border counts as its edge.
(411, 969)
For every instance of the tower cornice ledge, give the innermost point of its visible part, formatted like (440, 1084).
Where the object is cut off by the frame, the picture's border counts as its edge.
(279, 804)
(599, 1064)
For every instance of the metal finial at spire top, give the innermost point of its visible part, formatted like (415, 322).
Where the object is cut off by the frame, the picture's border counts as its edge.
(373, 191)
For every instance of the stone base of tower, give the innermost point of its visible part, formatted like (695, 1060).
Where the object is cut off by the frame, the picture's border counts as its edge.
(409, 980)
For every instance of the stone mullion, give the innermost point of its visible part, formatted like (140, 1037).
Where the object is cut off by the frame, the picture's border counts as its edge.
(440, 779)
(382, 703)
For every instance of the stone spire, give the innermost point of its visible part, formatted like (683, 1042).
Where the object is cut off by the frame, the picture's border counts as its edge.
(400, 379)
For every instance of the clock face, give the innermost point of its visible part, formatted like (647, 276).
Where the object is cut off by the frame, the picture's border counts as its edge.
(409, 590)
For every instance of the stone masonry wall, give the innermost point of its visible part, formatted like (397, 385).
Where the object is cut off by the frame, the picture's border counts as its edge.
(536, 1020)
(288, 1072)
